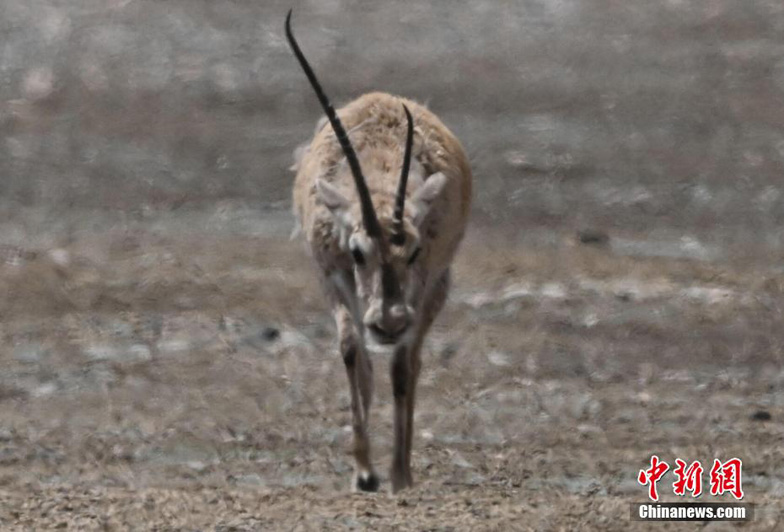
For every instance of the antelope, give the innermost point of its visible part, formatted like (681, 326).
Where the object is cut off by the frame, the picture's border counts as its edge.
(382, 197)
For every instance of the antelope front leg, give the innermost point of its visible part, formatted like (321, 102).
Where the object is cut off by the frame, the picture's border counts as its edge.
(402, 391)
(406, 366)
(360, 381)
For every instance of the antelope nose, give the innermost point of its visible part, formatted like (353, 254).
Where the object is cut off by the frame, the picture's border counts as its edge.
(387, 328)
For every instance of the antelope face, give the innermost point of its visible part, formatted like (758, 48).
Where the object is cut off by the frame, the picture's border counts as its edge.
(386, 316)
(389, 270)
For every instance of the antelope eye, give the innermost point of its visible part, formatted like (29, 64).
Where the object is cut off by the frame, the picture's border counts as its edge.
(359, 258)
(414, 255)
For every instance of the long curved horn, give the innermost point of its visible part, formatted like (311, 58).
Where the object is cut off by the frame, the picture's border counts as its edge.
(398, 236)
(369, 217)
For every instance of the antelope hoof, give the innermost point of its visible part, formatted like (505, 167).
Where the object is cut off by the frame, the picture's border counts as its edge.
(399, 484)
(367, 482)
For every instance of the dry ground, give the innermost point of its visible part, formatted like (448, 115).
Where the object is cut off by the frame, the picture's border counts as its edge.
(176, 371)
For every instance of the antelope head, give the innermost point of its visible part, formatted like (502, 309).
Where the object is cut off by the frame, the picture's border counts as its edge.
(388, 274)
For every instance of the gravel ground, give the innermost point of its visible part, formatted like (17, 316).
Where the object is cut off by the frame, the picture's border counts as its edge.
(154, 378)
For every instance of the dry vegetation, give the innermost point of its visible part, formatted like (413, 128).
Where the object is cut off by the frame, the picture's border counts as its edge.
(156, 379)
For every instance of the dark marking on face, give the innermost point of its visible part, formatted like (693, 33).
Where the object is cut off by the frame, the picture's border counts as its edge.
(359, 258)
(397, 239)
(390, 287)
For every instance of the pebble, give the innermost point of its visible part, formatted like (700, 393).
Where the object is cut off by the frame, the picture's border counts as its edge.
(761, 415)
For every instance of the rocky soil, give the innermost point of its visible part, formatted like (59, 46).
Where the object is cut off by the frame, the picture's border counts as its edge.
(156, 377)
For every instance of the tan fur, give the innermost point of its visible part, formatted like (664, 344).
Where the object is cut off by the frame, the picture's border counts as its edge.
(376, 125)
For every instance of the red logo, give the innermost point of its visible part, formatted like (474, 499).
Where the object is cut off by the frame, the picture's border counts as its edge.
(689, 479)
(652, 475)
(725, 477)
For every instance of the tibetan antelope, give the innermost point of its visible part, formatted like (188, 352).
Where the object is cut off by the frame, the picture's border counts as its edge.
(383, 197)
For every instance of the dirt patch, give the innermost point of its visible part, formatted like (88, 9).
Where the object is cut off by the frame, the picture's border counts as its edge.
(154, 379)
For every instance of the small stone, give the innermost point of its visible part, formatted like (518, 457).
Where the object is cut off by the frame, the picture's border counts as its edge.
(138, 353)
(592, 237)
(29, 353)
(60, 256)
(99, 352)
(459, 461)
(270, 334)
(197, 465)
(761, 415)
(38, 83)
(497, 358)
(448, 352)
(45, 389)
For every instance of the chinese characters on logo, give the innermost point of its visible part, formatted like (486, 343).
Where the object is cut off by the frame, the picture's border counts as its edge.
(725, 477)
(651, 476)
(689, 479)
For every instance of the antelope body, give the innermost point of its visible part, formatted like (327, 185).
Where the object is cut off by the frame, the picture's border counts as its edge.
(382, 195)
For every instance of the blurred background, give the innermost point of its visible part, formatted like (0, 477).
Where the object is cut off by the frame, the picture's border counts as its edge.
(623, 274)
(658, 115)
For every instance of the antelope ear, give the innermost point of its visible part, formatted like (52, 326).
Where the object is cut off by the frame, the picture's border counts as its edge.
(331, 197)
(338, 205)
(299, 154)
(423, 197)
(320, 125)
